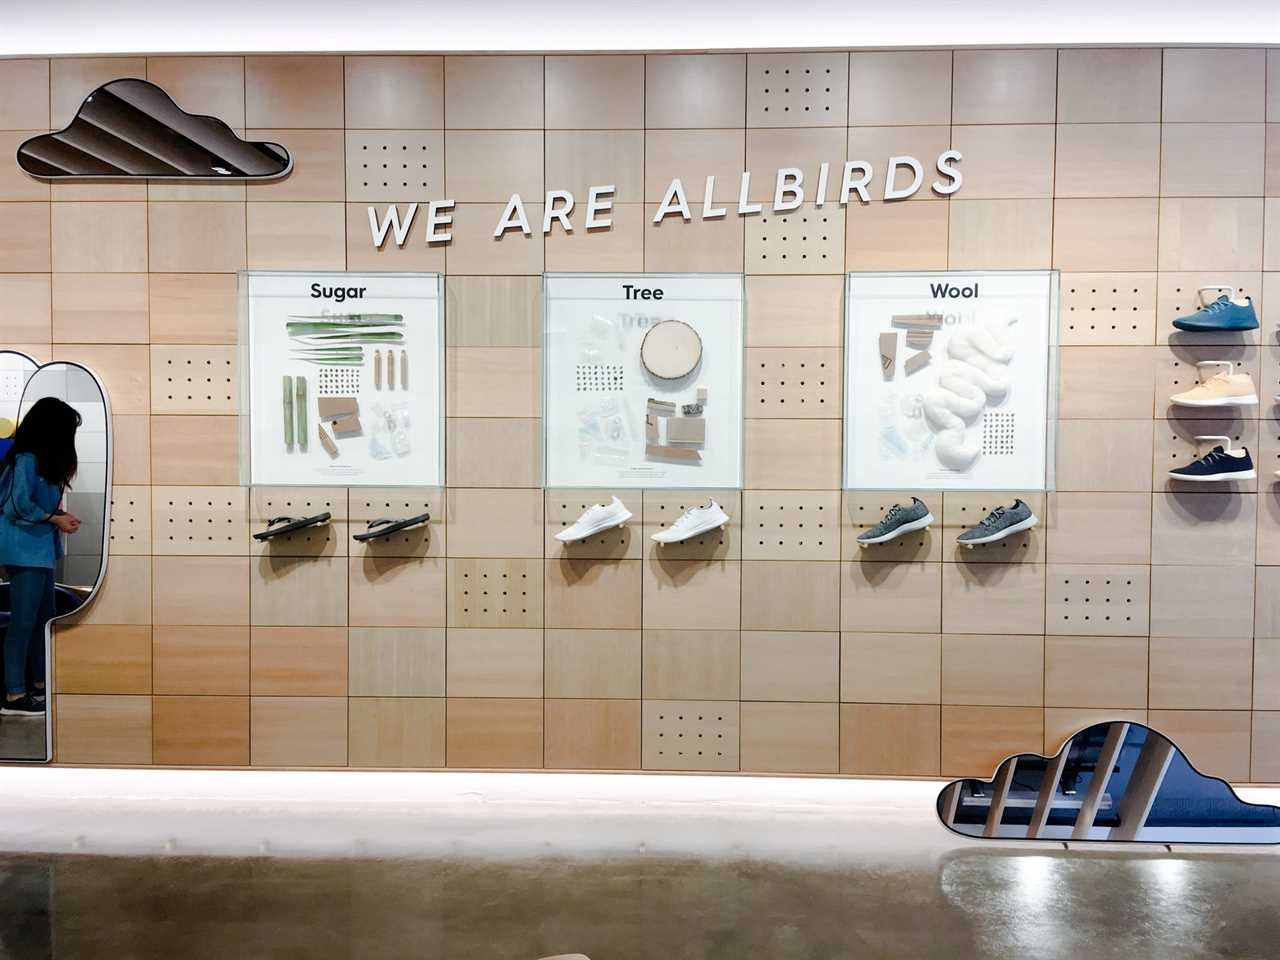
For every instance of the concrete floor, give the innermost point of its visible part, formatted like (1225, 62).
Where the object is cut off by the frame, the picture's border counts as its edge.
(970, 905)
(192, 864)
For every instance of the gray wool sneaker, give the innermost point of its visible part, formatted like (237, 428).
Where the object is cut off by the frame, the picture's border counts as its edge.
(1000, 523)
(898, 521)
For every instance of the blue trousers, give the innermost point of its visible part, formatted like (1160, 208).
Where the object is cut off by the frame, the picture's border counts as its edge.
(31, 599)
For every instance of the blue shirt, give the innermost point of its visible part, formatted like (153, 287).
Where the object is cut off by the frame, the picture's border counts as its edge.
(26, 498)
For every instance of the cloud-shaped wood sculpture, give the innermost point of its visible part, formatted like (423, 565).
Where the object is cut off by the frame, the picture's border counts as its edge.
(131, 128)
(1114, 781)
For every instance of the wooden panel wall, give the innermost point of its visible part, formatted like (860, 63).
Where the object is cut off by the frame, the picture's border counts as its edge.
(778, 647)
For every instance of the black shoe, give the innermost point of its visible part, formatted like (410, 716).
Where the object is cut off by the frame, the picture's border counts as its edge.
(24, 706)
(1218, 464)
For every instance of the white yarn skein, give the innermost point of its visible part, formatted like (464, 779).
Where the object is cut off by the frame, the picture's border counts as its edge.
(975, 375)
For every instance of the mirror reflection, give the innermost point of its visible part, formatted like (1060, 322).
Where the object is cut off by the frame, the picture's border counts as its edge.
(1113, 781)
(55, 484)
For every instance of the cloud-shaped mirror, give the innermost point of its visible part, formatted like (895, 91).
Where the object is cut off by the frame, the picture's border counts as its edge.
(1113, 781)
(53, 536)
(132, 128)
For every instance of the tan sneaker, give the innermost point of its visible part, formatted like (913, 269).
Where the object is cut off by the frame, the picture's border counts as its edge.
(1220, 390)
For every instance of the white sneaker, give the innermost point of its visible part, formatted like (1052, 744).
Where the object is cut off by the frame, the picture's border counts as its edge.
(596, 519)
(696, 520)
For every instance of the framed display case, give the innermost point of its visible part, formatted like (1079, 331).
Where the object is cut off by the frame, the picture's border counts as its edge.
(642, 380)
(342, 379)
(950, 380)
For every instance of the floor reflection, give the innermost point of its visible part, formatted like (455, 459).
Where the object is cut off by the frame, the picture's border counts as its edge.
(972, 904)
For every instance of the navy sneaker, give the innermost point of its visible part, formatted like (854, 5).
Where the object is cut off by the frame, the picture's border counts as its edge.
(999, 523)
(898, 521)
(1218, 464)
(1223, 314)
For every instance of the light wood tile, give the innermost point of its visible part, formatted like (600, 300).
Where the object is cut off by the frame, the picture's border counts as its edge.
(1212, 159)
(1099, 528)
(130, 520)
(98, 237)
(487, 166)
(294, 236)
(1214, 86)
(1217, 233)
(298, 662)
(396, 591)
(25, 308)
(791, 525)
(702, 246)
(494, 663)
(992, 670)
(195, 450)
(1189, 673)
(690, 735)
(618, 248)
(1088, 81)
(293, 91)
(1102, 455)
(897, 236)
(1266, 673)
(790, 737)
(595, 92)
(577, 160)
(495, 523)
(890, 667)
(204, 591)
(1216, 742)
(319, 165)
(601, 664)
(201, 731)
(592, 594)
(103, 659)
(790, 595)
(293, 591)
(493, 311)
(131, 449)
(71, 79)
(875, 145)
(805, 147)
(483, 452)
(1189, 527)
(191, 660)
(876, 596)
(1107, 159)
(1005, 160)
(695, 90)
(993, 598)
(123, 370)
(900, 87)
(475, 250)
(493, 381)
(1178, 608)
(683, 664)
(793, 454)
(194, 379)
(25, 237)
(393, 92)
(396, 661)
(495, 733)
(794, 311)
(1265, 759)
(790, 665)
(416, 256)
(100, 308)
(1105, 234)
(192, 308)
(218, 246)
(691, 594)
(298, 731)
(15, 184)
(889, 739)
(125, 594)
(102, 729)
(25, 105)
(1000, 234)
(1095, 672)
(1106, 383)
(976, 739)
(493, 93)
(592, 734)
(796, 89)
(396, 731)
(1004, 86)
(213, 86)
(692, 156)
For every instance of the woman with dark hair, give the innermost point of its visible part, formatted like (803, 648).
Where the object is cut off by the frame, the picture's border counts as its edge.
(35, 471)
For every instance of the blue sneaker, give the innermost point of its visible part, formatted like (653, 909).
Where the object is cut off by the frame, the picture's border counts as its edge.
(1223, 314)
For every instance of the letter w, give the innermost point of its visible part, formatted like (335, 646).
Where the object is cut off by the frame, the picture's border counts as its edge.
(389, 221)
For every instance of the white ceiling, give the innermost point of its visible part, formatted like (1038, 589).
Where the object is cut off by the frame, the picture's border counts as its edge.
(186, 26)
